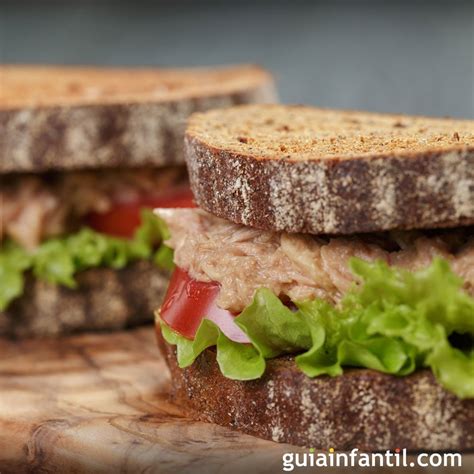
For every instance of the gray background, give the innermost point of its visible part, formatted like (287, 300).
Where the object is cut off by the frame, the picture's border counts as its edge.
(402, 56)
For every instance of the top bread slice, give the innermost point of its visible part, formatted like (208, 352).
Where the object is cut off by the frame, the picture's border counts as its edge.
(62, 118)
(304, 169)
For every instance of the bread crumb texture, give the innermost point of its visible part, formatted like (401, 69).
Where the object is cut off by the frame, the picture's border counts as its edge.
(302, 133)
(35, 86)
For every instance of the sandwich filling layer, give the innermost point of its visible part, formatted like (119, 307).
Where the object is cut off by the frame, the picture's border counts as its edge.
(56, 225)
(35, 207)
(300, 267)
(392, 302)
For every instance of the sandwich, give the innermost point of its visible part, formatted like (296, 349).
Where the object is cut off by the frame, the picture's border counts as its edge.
(323, 291)
(83, 151)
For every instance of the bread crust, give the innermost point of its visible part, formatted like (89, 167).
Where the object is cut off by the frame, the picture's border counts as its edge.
(105, 299)
(362, 408)
(340, 195)
(117, 132)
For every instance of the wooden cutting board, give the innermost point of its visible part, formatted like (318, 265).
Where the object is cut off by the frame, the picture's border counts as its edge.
(98, 404)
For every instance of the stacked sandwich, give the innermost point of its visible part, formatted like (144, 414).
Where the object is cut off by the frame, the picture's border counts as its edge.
(82, 152)
(324, 291)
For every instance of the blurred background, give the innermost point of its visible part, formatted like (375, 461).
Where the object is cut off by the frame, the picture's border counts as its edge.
(400, 56)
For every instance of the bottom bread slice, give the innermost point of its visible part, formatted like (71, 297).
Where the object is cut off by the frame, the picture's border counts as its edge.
(361, 409)
(104, 299)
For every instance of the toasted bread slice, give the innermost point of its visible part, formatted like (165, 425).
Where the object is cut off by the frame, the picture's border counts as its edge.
(80, 117)
(361, 409)
(104, 299)
(303, 169)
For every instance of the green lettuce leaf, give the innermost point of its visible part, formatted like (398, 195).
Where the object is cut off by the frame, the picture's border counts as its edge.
(453, 368)
(326, 329)
(164, 257)
(236, 361)
(13, 262)
(58, 260)
(54, 263)
(272, 327)
(394, 321)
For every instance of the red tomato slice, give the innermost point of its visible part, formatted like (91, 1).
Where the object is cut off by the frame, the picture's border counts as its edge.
(188, 302)
(124, 217)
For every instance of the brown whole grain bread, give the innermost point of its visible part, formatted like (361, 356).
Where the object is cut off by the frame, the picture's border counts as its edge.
(361, 409)
(62, 118)
(104, 299)
(303, 169)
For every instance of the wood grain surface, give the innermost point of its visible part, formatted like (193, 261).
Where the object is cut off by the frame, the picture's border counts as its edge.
(98, 404)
